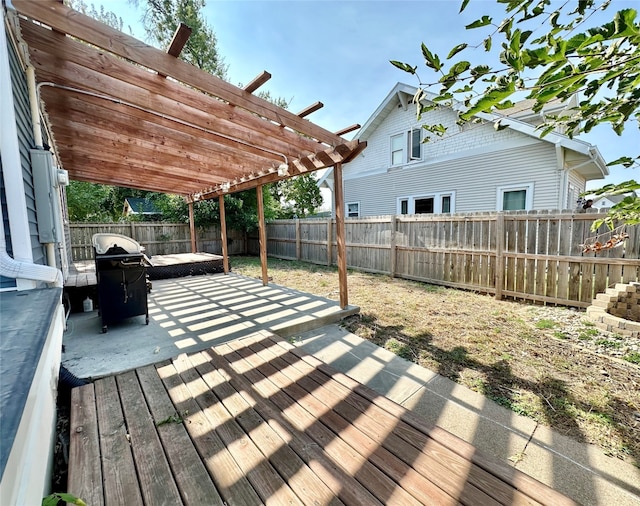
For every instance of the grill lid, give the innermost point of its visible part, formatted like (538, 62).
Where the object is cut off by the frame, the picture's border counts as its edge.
(104, 242)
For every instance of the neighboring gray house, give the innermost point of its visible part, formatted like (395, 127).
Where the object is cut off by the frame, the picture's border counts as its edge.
(31, 313)
(141, 207)
(474, 167)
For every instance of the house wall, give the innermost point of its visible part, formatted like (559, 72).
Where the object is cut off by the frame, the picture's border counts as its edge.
(25, 143)
(472, 161)
(576, 183)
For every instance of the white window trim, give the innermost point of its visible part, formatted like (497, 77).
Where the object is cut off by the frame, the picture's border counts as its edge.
(528, 187)
(437, 202)
(346, 209)
(406, 140)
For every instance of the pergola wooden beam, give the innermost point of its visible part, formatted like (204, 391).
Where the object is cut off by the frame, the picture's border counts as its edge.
(258, 81)
(180, 38)
(66, 20)
(348, 129)
(309, 109)
(341, 247)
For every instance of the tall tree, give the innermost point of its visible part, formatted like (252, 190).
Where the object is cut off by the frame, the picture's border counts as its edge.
(549, 52)
(161, 19)
(299, 196)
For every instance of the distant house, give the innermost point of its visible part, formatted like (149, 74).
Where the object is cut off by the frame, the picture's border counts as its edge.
(606, 202)
(473, 167)
(141, 207)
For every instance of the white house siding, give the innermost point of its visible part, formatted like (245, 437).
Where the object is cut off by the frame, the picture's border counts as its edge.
(576, 184)
(477, 153)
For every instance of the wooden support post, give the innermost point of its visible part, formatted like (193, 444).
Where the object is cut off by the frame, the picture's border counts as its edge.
(298, 240)
(499, 280)
(394, 246)
(340, 235)
(223, 235)
(262, 236)
(329, 243)
(192, 228)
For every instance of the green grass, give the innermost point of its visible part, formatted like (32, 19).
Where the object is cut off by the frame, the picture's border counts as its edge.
(560, 335)
(398, 348)
(545, 324)
(633, 357)
(608, 344)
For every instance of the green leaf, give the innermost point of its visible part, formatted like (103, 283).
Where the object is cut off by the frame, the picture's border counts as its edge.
(484, 21)
(487, 44)
(489, 99)
(456, 50)
(463, 6)
(431, 60)
(404, 66)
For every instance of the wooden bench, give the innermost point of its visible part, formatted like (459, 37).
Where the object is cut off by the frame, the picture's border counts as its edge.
(257, 421)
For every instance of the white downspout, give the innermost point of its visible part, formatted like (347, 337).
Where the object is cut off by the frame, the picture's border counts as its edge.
(12, 268)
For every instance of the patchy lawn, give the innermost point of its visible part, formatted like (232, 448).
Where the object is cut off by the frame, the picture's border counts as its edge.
(547, 363)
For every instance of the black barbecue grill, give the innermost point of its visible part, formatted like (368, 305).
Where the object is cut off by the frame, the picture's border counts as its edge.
(122, 278)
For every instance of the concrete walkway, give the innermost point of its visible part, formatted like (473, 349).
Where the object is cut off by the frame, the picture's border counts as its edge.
(579, 470)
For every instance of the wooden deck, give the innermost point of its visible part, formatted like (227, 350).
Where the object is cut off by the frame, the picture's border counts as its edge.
(257, 421)
(83, 273)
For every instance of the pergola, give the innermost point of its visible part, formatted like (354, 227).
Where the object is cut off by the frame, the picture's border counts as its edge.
(124, 113)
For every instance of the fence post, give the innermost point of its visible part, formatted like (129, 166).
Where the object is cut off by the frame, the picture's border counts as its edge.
(393, 250)
(329, 245)
(499, 255)
(298, 240)
(133, 231)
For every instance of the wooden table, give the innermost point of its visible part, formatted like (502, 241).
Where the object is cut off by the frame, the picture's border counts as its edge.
(257, 421)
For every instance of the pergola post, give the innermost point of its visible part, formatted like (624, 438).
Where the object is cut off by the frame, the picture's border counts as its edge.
(223, 235)
(192, 228)
(338, 196)
(262, 235)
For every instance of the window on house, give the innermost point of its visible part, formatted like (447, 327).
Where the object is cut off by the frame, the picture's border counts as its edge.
(446, 203)
(414, 144)
(435, 203)
(353, 209)
(515, 198)
(397, 151)
(424, 206)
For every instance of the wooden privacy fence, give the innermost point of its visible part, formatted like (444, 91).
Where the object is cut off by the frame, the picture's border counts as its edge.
(157, 238)
(524, 255)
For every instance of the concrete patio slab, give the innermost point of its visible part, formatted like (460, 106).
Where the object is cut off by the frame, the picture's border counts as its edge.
(190, 314)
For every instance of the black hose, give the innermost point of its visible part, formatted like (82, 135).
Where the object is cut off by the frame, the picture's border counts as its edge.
(69, 379)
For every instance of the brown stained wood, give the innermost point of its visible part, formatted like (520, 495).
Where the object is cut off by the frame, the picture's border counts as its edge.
(310, 109)
(302, 480)
(227, 475)
(195, 484)
(84, 28)
(529, 486)
(108, 75)
(262, 236)
(369, 438)
(338, 195)
(265, 480)
(345, 446)
(500, 246)
(334, 459)
(348, 129)
(154, 474)
(432, 468)
(84, 474)
(223, 234)
(179, 39)
(192, 229)
(118, 472)
(258, 81)
(341, 484)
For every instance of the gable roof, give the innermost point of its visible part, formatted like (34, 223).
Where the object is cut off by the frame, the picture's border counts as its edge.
(124, 113)
(140, 205)
(592, 167)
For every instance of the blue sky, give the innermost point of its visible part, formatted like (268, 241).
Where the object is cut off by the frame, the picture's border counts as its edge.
(338, 52)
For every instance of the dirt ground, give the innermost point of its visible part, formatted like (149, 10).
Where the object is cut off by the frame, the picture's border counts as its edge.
(547, 363)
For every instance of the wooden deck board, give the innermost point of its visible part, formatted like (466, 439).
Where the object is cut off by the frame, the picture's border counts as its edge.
(257, 421)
